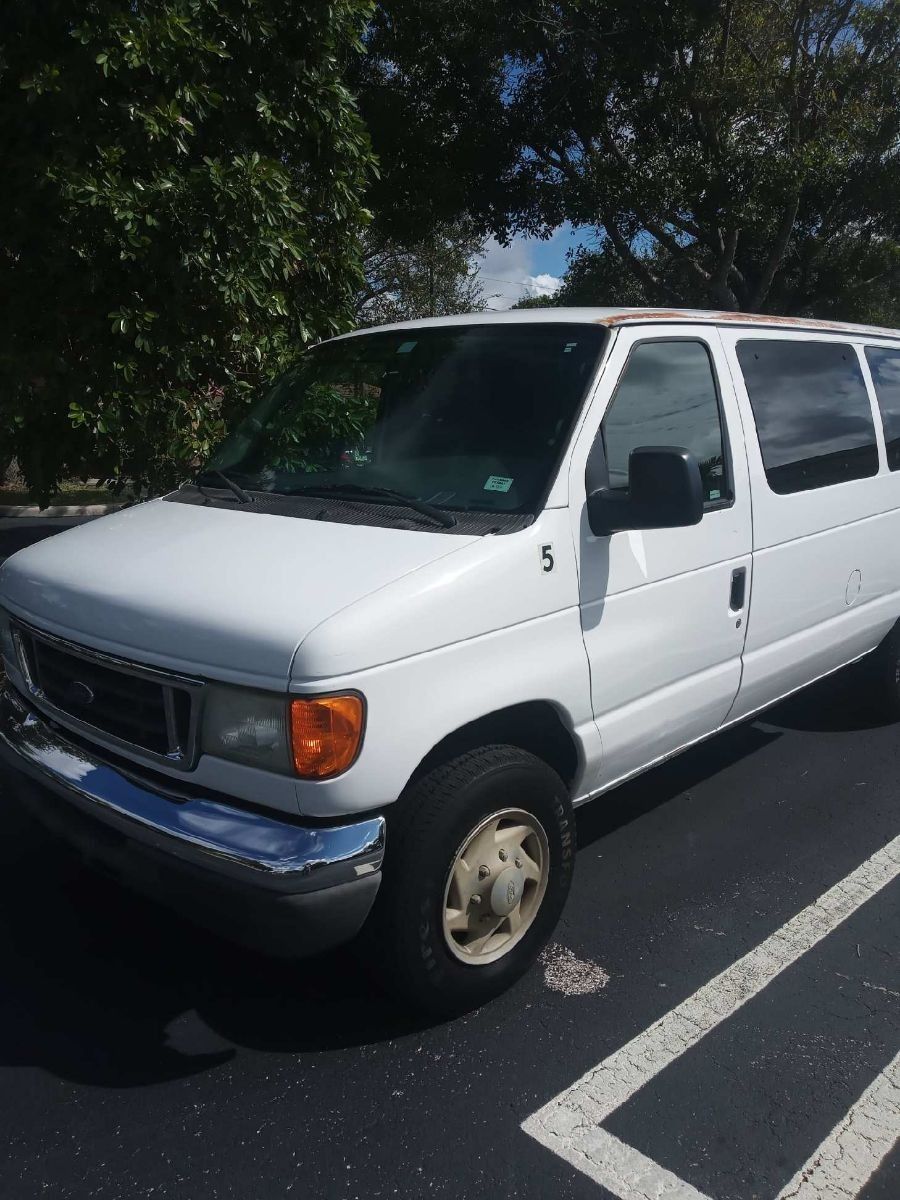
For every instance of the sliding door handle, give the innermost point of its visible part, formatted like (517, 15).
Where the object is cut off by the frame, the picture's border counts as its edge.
(738, 589)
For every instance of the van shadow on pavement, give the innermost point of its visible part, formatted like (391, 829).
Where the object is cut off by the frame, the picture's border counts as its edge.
(840, 703)
(845, 702)
(105, 988)
(100, 985)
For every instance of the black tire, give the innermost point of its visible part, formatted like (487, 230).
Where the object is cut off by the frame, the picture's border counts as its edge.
(885, 675)
(405, 937)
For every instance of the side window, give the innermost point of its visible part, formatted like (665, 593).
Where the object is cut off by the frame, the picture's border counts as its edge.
(667, 396)
(885, 367)
(812, 412)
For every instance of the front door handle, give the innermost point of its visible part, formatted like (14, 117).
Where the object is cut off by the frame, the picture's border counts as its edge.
(738, 589)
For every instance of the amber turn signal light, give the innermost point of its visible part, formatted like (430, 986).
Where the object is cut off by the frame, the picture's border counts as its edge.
(325, 734)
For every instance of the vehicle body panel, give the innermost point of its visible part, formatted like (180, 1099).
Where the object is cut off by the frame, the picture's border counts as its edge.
(663, 644)
(208, 591)
(826, 561)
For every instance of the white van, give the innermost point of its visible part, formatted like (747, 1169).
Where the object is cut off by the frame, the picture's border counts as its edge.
(447, 581)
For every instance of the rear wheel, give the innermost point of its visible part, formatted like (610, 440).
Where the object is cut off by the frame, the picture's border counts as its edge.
(479, 862)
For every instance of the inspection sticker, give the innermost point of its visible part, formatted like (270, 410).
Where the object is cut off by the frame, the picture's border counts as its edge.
(497, 483)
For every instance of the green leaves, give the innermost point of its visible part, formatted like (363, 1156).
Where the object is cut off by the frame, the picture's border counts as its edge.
(181, 217)
(431, 277)
(728, 154)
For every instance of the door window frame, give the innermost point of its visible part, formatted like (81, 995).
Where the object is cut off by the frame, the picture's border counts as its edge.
(598, 445)
(863, 349)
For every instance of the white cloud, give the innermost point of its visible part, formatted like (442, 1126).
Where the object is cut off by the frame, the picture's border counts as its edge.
(506, 274)
(542, 285)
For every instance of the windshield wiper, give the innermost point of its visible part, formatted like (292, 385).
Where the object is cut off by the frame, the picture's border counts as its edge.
(362, 491)
(234, 488)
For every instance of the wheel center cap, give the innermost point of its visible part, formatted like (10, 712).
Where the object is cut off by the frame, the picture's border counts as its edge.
(507, 891)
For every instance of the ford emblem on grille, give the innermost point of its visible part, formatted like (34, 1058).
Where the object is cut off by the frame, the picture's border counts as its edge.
(78, 694)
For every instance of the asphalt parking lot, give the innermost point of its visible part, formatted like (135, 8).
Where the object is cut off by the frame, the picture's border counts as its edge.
(719, 1015)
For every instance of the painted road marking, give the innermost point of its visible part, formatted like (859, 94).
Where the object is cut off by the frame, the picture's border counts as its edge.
(569, 1124)
(855, 1148)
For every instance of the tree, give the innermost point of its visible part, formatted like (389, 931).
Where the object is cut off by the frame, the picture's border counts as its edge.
(431, 277)
(430, 89)
(595, 277)
(750, 143)
(183, 195)
(730, 153)
(540, 301)
(427, 126)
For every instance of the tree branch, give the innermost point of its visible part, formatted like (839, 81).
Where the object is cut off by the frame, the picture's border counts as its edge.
(634, 263)
(652, 226)
(718, 284)
(776, 256)
(556, 163)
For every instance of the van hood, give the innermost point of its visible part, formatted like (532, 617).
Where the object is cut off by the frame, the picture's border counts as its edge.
(208, 591)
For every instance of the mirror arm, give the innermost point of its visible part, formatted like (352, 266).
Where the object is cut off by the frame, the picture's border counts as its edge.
(596, 471)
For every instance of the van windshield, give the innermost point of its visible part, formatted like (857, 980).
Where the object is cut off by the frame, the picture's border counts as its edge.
(471, 417)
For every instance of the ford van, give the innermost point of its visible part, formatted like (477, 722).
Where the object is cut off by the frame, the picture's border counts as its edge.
(447, 581)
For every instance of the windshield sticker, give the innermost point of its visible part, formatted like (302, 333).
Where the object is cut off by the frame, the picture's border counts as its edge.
(497, 483)
(406, 347)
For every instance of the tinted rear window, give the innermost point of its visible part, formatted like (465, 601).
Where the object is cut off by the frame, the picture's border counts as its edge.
(812, 412)
(885, 367)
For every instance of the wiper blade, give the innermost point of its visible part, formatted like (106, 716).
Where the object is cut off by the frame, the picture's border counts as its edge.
(362, 492)
(234, 488)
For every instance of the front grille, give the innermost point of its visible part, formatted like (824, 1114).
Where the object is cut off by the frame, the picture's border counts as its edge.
(131, 704)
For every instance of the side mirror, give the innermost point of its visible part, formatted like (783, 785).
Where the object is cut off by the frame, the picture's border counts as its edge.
(665, 492)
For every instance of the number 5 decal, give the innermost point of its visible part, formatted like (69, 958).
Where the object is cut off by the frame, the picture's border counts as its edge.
(547, 557)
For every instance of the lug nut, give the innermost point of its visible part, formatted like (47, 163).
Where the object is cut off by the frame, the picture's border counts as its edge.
(503, 856)
(483, 872)
(519, 863)
(476, 899)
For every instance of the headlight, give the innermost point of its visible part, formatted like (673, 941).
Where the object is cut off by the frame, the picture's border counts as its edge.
(245, 726)
(315, 737)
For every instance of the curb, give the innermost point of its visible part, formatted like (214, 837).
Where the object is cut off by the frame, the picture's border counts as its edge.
(62, 510)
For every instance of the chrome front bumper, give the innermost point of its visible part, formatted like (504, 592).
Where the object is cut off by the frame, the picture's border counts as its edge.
(327, 876)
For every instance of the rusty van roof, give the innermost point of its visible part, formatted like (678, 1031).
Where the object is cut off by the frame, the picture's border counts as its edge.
(626, 316)
(613, 318)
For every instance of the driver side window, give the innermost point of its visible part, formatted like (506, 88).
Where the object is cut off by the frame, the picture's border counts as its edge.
(667, 396)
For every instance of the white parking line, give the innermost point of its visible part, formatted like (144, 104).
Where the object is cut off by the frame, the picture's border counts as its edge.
(569, 1124)
(855, 1148)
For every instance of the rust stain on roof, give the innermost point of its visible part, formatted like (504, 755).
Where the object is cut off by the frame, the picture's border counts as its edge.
(643, 314)
(764, 320)
(743, 318)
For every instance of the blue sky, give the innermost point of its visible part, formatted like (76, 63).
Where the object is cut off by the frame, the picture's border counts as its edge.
(528, 266)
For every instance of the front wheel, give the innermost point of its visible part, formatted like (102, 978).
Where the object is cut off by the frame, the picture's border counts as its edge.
(479, 862)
